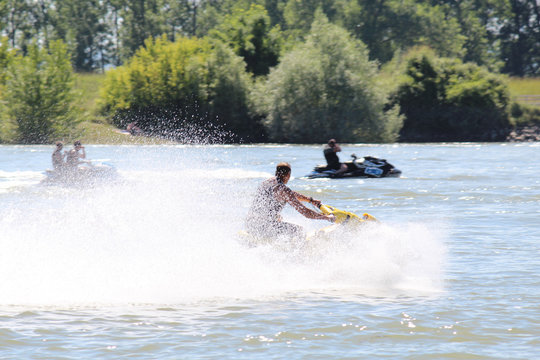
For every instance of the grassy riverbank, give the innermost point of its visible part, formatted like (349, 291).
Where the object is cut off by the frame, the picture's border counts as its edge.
(524, 86)
(97, 129)
(525, 91)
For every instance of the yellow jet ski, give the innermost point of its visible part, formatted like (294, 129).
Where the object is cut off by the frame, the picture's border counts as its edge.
(343, 217)
(344, 220)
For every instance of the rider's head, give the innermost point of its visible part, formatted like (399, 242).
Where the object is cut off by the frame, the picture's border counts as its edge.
(77, 144)
(332, 143)
(283, 171)
(59, 145)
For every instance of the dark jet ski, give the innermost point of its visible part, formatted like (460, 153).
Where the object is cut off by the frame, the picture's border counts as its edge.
(367, 167)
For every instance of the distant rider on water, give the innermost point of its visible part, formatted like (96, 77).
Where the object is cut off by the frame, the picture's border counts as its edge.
(58, 158)
(332, 160)
(73, 156)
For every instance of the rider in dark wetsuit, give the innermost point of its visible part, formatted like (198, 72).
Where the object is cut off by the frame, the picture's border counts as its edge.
(330, 154)
(264, 219)
(331, 157)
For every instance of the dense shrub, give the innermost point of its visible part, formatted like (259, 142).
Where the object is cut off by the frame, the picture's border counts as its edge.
(6, 56)
(325, 88)
(168, 87)
(6, 127)
(39, 97)
(524, 115)
(447, 100)
(250, 34)
(159, 77)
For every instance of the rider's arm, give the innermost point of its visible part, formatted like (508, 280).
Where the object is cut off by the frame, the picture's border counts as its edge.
(301, 197)
(304, 198)
(83, 154)
(288, 195)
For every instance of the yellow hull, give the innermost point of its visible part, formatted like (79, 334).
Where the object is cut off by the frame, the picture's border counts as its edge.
(345, 221)
(345, 216)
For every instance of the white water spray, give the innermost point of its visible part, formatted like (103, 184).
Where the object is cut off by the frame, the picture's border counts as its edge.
(168, 234)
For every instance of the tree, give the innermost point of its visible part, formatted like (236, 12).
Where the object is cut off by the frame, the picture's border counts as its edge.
(520, 38)
(447, 100)
(211, 13)
(475, 18)
(17, 22)
(300, 14)
(141, 20)
(170, 86)
(39, 96)
(249, 34)
(6, 57)
(326, 88)
(180, 18)
(228, 95)
(81, 25)
(387, 26)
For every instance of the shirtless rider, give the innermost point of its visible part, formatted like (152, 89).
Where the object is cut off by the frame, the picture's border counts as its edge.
(73, 156)
(264, 218)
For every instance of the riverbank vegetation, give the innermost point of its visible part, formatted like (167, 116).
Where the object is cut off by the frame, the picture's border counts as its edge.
(256, 71)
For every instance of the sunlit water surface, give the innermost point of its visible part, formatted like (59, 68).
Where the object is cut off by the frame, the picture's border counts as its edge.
(151, 265)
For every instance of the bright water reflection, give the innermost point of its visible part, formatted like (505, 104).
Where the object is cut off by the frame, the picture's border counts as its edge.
(150, 266)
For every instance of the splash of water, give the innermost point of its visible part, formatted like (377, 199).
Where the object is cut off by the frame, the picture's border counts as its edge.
(169, 235)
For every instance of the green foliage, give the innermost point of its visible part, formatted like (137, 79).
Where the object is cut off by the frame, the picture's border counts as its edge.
(38, 95)
(249, 34)
(474, 28)
(524, 115)
(168, 91)
(20, 22)
(396, 25)
(167, 86)
(228, 93)
(179, 18)
(141, 20)
(500, 34)
(325, 89)
(477, 21)
(7, 130)
(300, 14)
(519, 37)
(447, 100)
(159, 74)
(6, 56)
(212, 13)
(78, 23)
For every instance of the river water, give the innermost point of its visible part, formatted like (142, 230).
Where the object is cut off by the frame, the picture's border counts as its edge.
(151, 266)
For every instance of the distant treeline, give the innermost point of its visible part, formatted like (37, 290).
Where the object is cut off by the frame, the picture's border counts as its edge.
(284, 70)
(503, 34)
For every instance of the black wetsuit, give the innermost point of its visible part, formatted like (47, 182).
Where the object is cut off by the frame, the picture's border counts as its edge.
(331, 158)
(264, 215)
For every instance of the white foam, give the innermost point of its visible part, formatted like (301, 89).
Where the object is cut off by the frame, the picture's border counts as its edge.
(171, 235)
